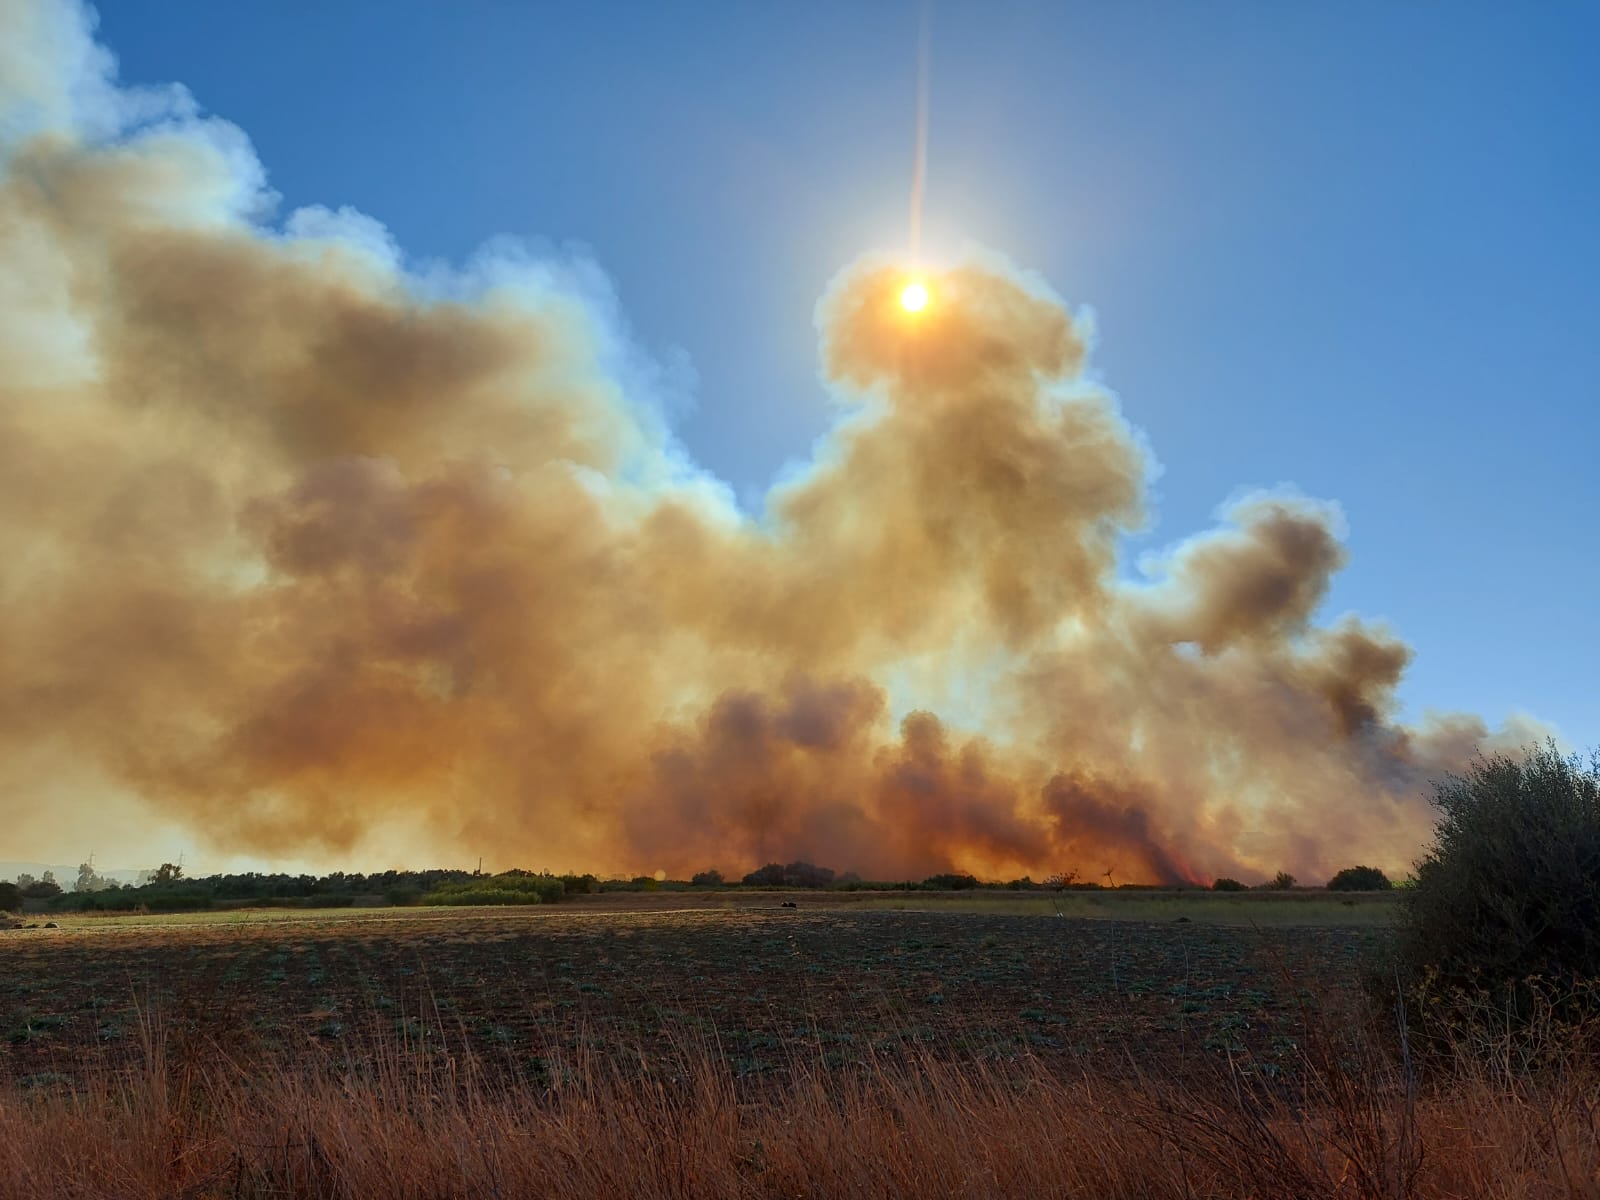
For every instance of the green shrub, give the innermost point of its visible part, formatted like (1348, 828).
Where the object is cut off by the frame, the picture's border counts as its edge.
(513, 887)
(1360, 879)
(1281, 882)
(949, 882)
(711, 878)
(484, 896)
(1224, 884)
(10, 898)
(1510, 889)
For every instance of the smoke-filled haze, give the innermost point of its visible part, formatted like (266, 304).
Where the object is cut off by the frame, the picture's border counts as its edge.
(312, 557)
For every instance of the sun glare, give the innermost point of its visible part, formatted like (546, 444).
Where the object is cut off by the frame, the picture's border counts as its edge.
(914, 296)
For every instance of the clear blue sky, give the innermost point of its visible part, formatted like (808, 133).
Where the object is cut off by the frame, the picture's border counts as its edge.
(1353, 247)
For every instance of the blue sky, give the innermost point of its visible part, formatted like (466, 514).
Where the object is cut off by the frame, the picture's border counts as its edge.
(1348, 247)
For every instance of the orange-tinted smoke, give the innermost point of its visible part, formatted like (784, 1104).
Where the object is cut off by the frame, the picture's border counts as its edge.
(318, 561)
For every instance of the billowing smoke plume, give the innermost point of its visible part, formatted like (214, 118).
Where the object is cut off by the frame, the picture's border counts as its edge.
(309, 556)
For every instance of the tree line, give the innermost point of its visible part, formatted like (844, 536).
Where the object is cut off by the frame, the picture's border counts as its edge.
(168, 889)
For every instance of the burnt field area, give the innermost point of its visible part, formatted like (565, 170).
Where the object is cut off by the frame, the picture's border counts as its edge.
(524, 994)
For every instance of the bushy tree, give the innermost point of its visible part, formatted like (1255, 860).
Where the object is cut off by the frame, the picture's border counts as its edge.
(807, 875)
(1281, 882)
(10, 897)
(45, 888)
(770, 875)
(1224, 884)
(711, 878)
(796, 874)
(1510, 888)
(89, 880)
(1360, 879)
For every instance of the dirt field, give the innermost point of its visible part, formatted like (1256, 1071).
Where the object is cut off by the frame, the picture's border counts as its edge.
(629, 978)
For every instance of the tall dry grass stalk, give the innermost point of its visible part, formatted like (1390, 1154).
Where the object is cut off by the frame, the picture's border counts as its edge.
(414, 1122)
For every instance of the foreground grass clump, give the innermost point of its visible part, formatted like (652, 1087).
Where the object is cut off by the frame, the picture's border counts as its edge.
(422, 1124)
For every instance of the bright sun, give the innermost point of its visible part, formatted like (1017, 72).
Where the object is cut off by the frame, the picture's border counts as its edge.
(914, 297)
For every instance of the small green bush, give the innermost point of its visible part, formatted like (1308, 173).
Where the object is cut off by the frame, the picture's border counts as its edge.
(1281, 882)
(1360, 879)
(10, 898)
(950, 882)
(1224, 884)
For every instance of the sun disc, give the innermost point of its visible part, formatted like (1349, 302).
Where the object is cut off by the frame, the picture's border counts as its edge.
(914, 296)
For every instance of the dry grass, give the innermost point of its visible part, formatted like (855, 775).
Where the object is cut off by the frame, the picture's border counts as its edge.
(421, 1123)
